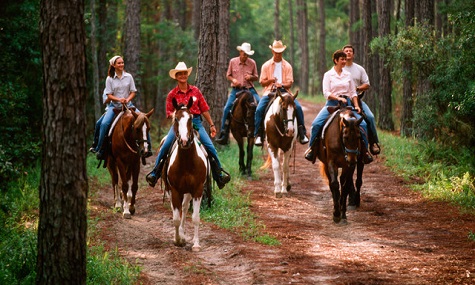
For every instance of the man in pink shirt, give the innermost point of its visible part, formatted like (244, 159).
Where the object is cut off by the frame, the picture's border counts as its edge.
(242, 71)
(277, 73)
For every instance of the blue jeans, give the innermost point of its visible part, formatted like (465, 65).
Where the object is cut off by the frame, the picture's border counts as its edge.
(319, 121)
(104, 123)
(373, 135)
(96, 130)
(260, 113)
(204, 139)
(231, 99)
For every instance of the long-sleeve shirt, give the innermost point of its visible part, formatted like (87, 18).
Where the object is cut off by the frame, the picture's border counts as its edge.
(267, 72)
(336, 85)
(199, 103)
(238, 71)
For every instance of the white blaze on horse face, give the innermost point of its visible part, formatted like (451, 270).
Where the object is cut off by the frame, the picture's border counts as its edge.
(183, 127)
(290, 123)
(144, 136)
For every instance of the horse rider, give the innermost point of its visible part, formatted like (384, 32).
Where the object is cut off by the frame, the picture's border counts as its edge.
(120, 90)
(242, 71)
(338, 86)
(277, 73)
(200, 109)
(360, 77)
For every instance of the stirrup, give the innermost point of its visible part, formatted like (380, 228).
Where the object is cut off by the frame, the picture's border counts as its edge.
(304, 140)
(375, 149)
(258, 141)
(223, 138)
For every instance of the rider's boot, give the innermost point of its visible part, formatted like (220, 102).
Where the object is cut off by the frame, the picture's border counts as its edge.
(156, 173)
(223, 138)
(259, 137)
(367, 157)
(375, 149)
(221, 176)
(303, 139)
(149, 152)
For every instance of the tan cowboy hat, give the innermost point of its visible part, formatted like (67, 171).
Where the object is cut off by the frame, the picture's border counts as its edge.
(181, 66)
(277, 46)
(246, 48)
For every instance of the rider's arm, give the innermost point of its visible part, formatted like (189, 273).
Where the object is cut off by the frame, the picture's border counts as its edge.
(362, 87)
(208, 119)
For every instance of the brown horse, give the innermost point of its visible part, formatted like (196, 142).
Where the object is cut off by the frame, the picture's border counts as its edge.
(186, 174)
(281, 131)
(242, 126)
(128, 145)
(340, 148)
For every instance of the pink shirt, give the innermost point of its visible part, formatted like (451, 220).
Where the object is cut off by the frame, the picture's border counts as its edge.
(267, 72)
(334, 84)
(199, 103)
(238, 70)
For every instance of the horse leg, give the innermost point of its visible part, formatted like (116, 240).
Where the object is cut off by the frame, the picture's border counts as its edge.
(196, 224)
(135, 187)
(178, 215)
(346, 179)
(242, 167)
(359, 182)
(332, 174)
(352, 195)
(286, 186)
(277, 172)
(250, 155)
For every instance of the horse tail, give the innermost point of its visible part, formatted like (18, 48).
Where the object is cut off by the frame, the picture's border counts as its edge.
(267, 163)
(322, 171)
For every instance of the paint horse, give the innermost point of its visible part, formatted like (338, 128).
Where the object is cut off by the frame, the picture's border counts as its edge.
(242, 126)
(281, 131)
(186, 174)
(128, 145)
(340, 149)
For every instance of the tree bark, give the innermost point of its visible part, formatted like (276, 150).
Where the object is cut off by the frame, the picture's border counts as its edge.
(407, 96)
(63, 186)
(354, 32)
(303, 43)
(132, 46)
(367, 58)
(96, 94)
(213, 54)
(385, 121)
(196, 18)
(322, 65)
(292, 36)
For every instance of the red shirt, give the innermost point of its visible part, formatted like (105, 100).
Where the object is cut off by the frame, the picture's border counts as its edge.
(199, 103)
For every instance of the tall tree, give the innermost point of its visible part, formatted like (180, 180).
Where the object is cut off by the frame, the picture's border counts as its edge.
(424, 12)
(196, 18)
(214, 36)
(322, 63)
(385, 104)
(367, 58)
(277, 33)
(97, 95)
(132, 46)
(355, 33)
(407, 96)
(63, 186)
(303, 43)
(292, 37)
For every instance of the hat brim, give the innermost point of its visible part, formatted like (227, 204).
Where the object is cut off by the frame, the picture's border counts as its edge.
(239, 48)
(173, 72)
(278, 50)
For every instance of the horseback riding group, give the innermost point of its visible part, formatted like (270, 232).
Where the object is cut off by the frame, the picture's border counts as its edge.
(343, 134)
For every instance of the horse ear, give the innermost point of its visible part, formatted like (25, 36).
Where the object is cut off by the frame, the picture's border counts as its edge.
(296, 93)
(190, 103)
(345, 122)
(279, 93)
(175, 104)
(150, 113)
(359, 120)
(134, 113)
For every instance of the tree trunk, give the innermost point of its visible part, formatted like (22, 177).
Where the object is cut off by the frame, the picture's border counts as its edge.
(292, 36)
(322, 65)
(367, 58)
(277, 34)
(96, 94)
(354, 32)
(385, 121)
(212, 65)
(132, 46)
(407, 97)
(196, 18)
(373, 99)
(303, 43)
(63, 187)
(107, 37)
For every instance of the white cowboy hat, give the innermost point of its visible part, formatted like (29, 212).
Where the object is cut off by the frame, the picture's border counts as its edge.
(246, 48)
(278, 47)
(181, 66)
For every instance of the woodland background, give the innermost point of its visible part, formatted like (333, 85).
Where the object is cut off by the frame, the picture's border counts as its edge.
(54, 56)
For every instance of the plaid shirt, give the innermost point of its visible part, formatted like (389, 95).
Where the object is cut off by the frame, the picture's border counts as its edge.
(199, 103)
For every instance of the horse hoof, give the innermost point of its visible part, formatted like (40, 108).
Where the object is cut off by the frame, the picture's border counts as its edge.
(336, 220)
(196, 248)
(127, 216)
(289, 187)
(351, 207)
(278, 195)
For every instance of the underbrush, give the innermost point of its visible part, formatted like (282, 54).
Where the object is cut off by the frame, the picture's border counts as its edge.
(439, 172)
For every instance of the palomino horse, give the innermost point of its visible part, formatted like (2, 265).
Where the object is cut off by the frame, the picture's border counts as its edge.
(186, 174)
(128, 145)
(340, 148)
(242, 126)
(281, 131)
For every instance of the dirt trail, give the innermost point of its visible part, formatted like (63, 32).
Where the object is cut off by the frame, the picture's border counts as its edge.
(395, 237)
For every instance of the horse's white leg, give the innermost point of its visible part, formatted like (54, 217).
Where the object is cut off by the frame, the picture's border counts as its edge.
(118, 194)
(277, 171)
(126, 189)
(285, 172)
(196, 223)
(185, 206)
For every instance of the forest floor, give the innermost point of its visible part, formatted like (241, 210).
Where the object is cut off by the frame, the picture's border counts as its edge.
(395, 237)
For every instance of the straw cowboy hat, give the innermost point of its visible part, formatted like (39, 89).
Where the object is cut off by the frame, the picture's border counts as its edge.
(277, 46)
(181, 66)
(246, 48)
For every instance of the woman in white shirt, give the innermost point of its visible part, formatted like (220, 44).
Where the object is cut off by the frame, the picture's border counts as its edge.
(338, 86)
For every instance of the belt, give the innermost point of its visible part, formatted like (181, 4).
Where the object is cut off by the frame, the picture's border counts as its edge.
(196, 116)
(243, 88)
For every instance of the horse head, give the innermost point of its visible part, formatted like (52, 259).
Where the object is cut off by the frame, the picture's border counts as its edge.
(140, 129)
(350, 135)
(183, 124)
(287, 111)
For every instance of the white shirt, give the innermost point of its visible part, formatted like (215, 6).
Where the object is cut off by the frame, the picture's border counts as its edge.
(278, 72)
(358, 73)
(120, 87)
(336, 85)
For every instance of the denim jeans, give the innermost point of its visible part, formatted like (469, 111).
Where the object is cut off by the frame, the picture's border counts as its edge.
(260, 113)
(319, 121)
(231, 99)
(204, 139)
(370, 121)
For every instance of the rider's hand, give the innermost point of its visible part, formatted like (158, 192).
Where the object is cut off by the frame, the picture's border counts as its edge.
(212, 129)
(358, 110)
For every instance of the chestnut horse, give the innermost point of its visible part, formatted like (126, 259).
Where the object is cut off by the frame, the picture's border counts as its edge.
(186, 174)
(128, 145)
(281, 130)
(242, 126)
(340, 147)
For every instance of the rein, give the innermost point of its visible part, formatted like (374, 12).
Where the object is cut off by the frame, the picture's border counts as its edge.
(136, 141)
